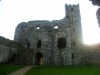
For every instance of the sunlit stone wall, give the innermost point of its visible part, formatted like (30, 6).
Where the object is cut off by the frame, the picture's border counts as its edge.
(67, 51)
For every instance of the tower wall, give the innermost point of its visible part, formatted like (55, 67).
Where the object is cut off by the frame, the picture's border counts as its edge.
(74, 22)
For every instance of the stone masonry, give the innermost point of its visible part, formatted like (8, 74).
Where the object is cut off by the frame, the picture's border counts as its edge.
(60, 40)
(57, 42)
(8, 48)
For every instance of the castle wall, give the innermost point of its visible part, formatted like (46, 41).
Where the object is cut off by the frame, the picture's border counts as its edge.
(7, 48)
(92, 54)
(5, 52)
(49, 37)
(68, 29)
(74, 22)
(58, 42)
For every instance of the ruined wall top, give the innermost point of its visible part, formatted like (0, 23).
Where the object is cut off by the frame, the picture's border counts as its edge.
(10, 43)
(44, 22)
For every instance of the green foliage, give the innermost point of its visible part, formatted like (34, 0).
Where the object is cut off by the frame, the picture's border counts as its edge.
(64, 70)
(6, 69)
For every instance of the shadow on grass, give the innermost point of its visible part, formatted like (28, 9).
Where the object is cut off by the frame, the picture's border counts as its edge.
(6, 69)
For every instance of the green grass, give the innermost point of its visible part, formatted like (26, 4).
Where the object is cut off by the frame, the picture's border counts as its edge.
(6, 69)
(64, 70)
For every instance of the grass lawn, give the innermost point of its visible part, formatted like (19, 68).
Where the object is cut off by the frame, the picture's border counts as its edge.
(6, 69)
(64, 70)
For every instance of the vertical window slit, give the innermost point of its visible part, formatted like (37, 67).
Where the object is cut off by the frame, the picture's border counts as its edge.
(72, 56)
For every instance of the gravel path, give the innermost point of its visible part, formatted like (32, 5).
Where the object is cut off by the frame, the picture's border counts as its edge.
(21, 71)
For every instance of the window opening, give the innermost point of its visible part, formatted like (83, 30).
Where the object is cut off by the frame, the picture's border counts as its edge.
(72, 56)
(22, 27)
(39, 44)
(61, 43)
(31, 25)
(55, 27)
(73, 29)
(71, 9)
(67, 16)
(74, 42)
(28, 45)
(38, 28)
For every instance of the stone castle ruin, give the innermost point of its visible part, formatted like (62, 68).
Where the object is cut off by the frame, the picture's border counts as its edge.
(57, 42)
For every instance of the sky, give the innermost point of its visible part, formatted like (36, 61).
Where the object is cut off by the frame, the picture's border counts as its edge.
(13, 12)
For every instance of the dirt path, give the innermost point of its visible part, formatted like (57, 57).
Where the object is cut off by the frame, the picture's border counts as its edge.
(21, 71)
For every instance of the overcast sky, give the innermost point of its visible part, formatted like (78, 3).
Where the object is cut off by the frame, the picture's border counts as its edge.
(13, 12)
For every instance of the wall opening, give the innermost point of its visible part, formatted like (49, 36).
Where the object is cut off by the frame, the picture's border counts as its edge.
(74, 42)
(72, 56)
(38, 28)
(31, 24)
(55, 27)
(39, 44)
(73, 29)
(71, 9)
(22, 27)
(39, 58)
(67, 16)
(28, 45)
(61, 43)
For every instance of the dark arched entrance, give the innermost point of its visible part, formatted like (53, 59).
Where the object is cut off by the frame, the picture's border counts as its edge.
(39, 58)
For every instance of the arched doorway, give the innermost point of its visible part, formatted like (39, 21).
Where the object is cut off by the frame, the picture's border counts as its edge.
(39, 58)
